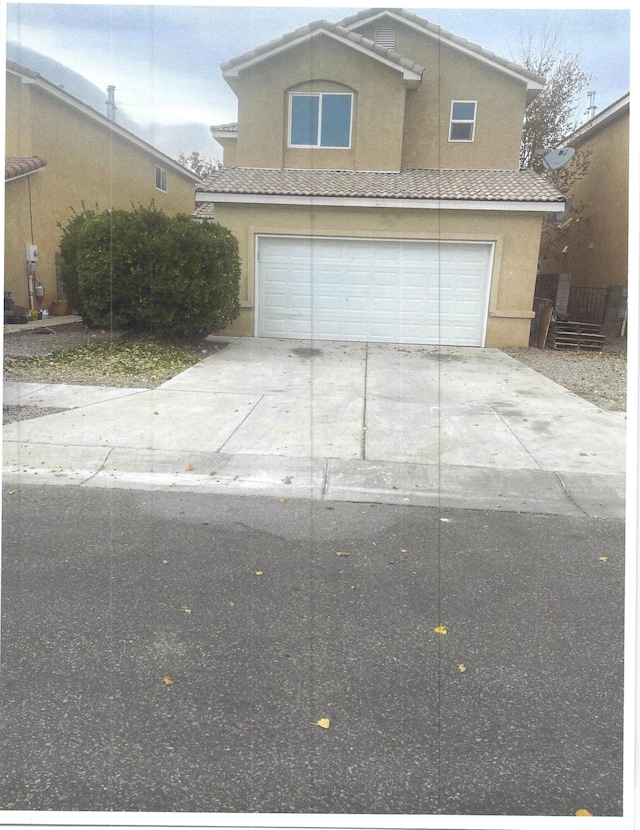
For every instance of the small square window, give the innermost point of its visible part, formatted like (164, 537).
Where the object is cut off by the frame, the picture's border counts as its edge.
(161, 179)
(463, 121)
(320, 119)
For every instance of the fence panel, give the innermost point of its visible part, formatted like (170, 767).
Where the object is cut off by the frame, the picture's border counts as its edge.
(587, 304)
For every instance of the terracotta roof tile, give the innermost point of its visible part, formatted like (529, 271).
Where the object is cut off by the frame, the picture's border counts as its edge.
(204, 210)
(322, 26)
(16, 166)
(423, 23)
(474, 185)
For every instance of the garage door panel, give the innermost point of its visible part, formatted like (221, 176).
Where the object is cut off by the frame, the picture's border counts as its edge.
(377, 290)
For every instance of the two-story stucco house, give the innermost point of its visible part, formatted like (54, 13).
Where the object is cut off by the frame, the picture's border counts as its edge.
(593, 248)
(61, 153)
(372, 182)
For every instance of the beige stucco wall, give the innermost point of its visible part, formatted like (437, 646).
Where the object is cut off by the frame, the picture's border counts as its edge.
(395, 126)
(86, 162)
(451, 75)
(597, 244)
(515, 237)
(320, 64)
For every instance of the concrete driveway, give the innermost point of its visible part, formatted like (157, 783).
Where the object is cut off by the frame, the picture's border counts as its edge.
(421, 424)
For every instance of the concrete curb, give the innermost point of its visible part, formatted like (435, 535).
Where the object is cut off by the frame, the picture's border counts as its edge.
(322, 479)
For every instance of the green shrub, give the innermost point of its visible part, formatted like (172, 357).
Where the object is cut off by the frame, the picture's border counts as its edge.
(146, 271)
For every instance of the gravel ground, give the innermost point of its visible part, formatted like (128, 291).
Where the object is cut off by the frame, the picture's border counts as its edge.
(600, 377)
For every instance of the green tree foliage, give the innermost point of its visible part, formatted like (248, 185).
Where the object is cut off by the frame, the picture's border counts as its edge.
(146, 271)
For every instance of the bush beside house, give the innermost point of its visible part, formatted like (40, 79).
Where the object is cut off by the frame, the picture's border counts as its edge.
(142, 270)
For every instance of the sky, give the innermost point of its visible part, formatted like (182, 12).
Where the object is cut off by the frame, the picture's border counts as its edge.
(164, 59)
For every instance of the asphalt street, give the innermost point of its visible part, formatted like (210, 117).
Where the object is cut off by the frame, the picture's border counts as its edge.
(172, 651)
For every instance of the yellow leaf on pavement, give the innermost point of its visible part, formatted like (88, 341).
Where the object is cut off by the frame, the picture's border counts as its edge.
(583, 813)
(342, 553)
(604, 558)
(167, 680)
(324, 723)
(440, 629)
(188, 467)
(259, 573)
(462, 667)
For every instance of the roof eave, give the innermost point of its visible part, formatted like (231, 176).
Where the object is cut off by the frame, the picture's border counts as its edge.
(526, 206)
(15, 178)
(31, 77)
(534, 84)
(232, 69)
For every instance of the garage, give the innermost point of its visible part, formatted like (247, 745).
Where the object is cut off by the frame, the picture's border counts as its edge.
(375, 290)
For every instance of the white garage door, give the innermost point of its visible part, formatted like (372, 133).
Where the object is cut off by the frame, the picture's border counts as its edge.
(373, 290)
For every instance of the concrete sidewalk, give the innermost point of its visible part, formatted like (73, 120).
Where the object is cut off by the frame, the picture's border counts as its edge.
(437, 426)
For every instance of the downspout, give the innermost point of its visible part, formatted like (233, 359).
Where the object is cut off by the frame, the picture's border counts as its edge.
(31, 268)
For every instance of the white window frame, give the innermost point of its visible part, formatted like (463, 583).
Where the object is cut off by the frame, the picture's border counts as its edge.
(161, 176)
(320, 96)
(470, 121)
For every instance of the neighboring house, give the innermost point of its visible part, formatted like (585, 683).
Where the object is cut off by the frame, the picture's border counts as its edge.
(61, 153)
(372, 182)
(588, 248)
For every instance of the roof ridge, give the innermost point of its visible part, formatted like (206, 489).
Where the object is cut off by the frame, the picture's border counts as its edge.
(327, 26)
(445, 33)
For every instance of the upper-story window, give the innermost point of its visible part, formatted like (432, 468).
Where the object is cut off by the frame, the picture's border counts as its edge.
(161, 179)
(463, 120)
(320, 119)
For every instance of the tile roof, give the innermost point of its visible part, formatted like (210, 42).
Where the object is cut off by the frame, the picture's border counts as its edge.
(16, 166)
(355, 19)
(204, 210)
(464, 185)
(225, 128)
(321, 26)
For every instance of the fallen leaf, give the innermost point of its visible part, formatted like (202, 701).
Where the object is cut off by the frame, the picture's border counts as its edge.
(10, 492)
(462, 667)
(213, 472)
(53, 470)
(440, 629)
(188, 467)
(285, 431)
(583, 813)
(342, 553)
(353, 587)
(584, 453)
(173, 484)
(156, 413)
(167, 680)
(324, 723)
(259, 573)
(231, 604)
(404, 550)
(187, 610)
(287, 480)
(604, 558)
(282, 499)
